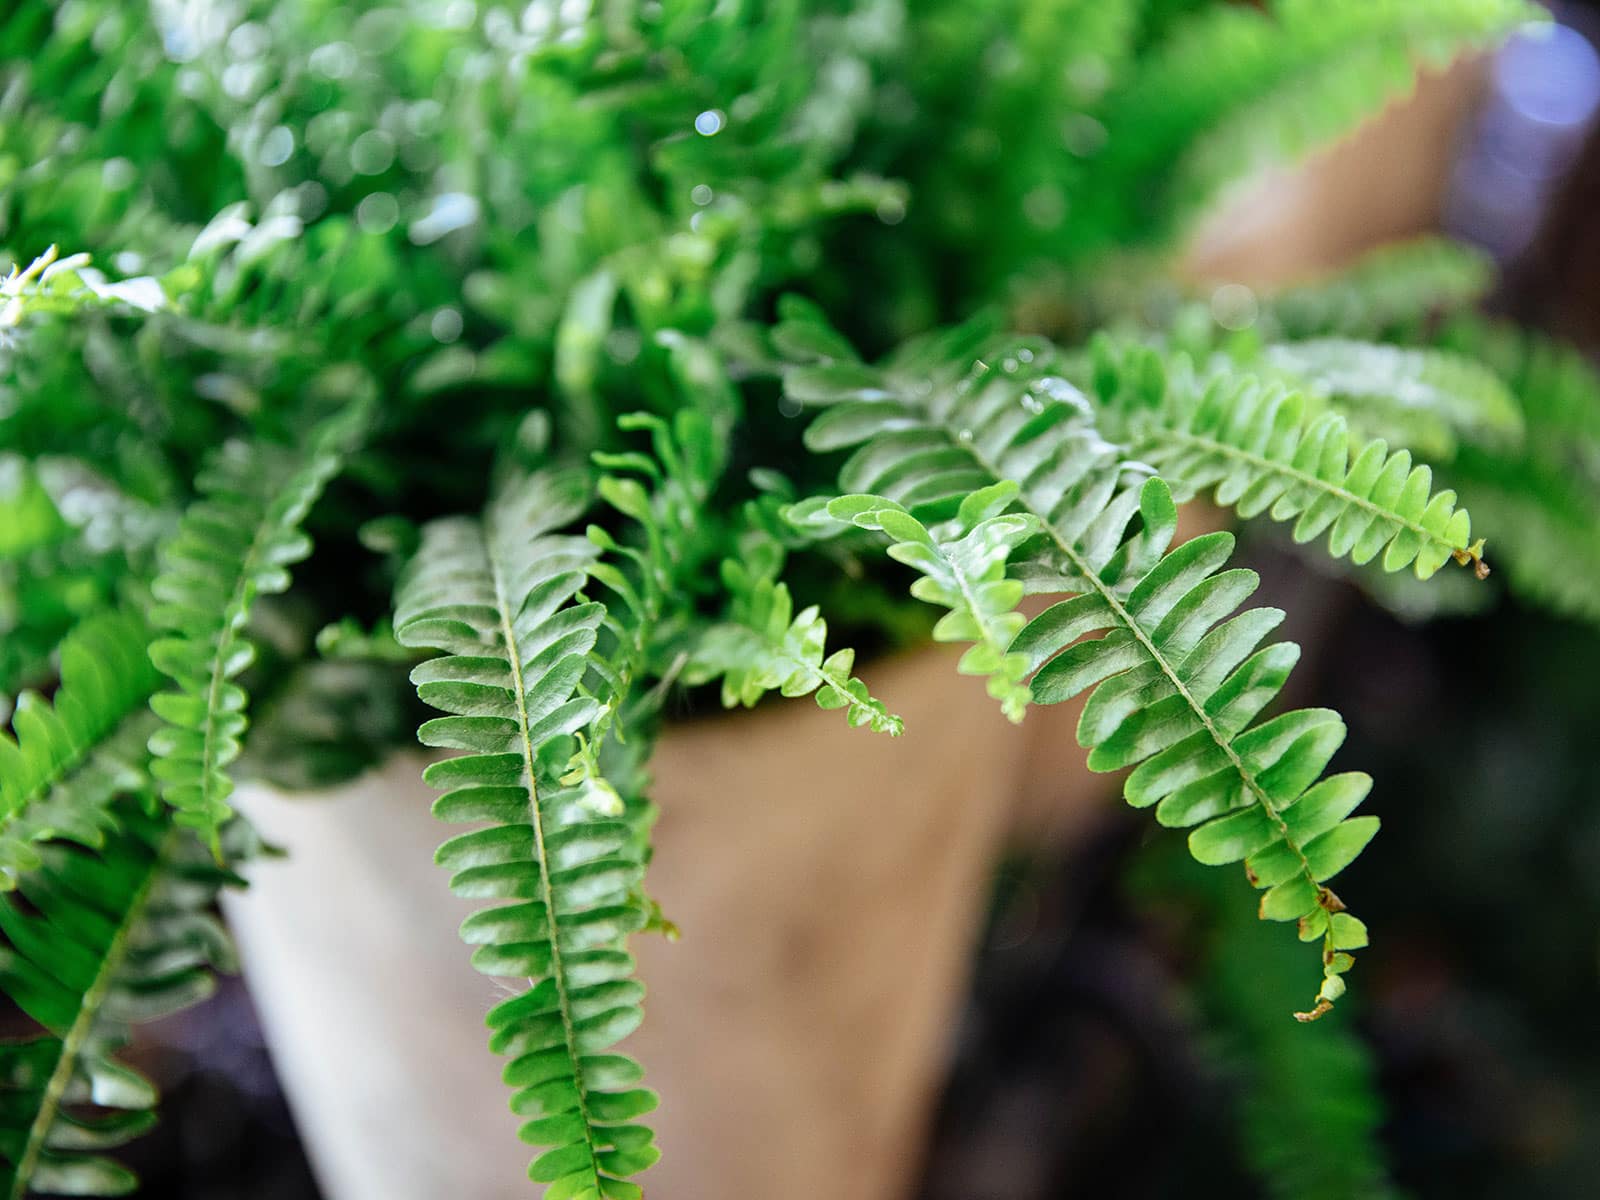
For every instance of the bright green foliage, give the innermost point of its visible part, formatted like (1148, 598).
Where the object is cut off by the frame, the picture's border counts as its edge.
(766, 646)
(73, 754)
(963, 568)
(1265, 450)
(64, 285)
(236, 543)
(1174, 689)
(496, 255)
(501, 600)
(107, 938)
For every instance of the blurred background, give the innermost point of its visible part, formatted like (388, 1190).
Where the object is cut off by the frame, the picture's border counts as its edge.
(1095, 1015)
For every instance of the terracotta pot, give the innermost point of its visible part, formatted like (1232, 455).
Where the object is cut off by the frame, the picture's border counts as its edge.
(828, 883)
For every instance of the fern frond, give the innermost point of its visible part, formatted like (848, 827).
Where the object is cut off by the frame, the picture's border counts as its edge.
(962, 564)
(766, 646)
(73, 754)
(1172, 693)
(1283, 1081)
(108, 938)
(237, 542)
(1426, 399)
(501, 600)
(1264, 449)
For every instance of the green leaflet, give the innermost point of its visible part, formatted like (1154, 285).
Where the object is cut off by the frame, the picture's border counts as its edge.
(73, 754)
(234, 544)
(111, 937)
(1175, 686)
(963, 568)
(501, 600)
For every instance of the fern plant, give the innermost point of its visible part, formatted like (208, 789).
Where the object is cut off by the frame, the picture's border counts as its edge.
(471, 344)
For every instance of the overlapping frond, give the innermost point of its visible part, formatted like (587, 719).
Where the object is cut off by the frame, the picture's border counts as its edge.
(1175, 686)
(501, 600)
(235, 543)
(71, 755)
(1426, 399)
(102, 939)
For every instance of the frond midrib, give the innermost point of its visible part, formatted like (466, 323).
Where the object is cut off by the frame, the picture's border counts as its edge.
(536, 817)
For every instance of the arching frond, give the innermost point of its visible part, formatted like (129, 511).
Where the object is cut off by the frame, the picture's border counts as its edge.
(1174, 687)
(501, 600)
(106, 938)
(237, 542)
(1264, 449)
(73, 754)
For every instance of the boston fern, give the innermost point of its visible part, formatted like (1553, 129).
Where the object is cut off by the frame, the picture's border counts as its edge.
(489, 347)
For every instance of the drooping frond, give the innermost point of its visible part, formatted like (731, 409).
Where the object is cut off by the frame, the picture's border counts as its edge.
(1174, 689)
(500, 599)
(1425, 399)
(1264, 449)
(962, 567)
(106, 938)
(235, 543)
(72, 755)
(1236, 88)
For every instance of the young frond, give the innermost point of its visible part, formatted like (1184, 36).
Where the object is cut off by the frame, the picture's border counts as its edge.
(1265, 449)
(235, 543)
(71, 755)
(1174, 685)
(962, 564)
(106, 938)
(765, 646)
(501, 601)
